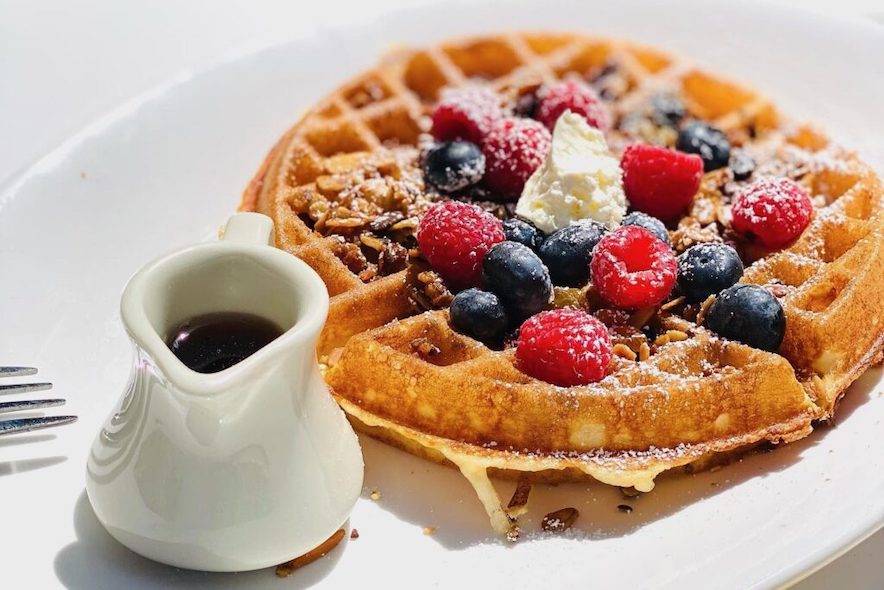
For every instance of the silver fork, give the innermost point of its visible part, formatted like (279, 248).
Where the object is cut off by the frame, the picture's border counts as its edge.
(27, 424)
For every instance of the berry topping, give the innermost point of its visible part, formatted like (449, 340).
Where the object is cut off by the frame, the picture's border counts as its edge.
(749, 314)
(518, 230)
(574, 96)
(514, 148)
(707, 142)
(659, 181)
(741, 164)
(565, 347)
(454, 165)
(774, 210)
(667, 110)
(454, 238)
(568, 252)
(652, 224)
(465, 113)
(706, 269)
(479, 314)
(516, 275)
(633, 268)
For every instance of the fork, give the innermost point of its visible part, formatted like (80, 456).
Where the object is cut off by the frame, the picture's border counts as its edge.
(28, 424)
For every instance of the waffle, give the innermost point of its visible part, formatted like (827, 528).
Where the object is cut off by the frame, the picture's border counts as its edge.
(345, 190)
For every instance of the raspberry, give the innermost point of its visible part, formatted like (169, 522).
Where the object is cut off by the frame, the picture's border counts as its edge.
(454, 238)
(513, 148)
(574, 96)
(658, 181)
(465, 113)
(633, 268)
(565, 347)
(774, 210)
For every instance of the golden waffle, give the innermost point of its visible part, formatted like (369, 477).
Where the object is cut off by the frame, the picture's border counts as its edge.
(345, 191)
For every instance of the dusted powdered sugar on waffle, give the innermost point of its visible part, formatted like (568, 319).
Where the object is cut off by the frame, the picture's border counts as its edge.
(689, 394)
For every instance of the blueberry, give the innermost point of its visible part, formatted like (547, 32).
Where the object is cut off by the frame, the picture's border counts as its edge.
(667, 110)
(479, 314)
(517, 276)
(706, 269)
(652, 224)
(568, 252)
(697, 137)
(741, 164)
(517, 230)
(749, 314)
(454, 165)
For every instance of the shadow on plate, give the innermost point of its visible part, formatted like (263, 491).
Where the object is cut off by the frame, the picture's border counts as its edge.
(430, 495)
(21, 439)
(22, 465)
(97, 560)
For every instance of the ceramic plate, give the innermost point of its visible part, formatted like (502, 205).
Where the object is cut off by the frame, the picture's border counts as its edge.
(167, 168)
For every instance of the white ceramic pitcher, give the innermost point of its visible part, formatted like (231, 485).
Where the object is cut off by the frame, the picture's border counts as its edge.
(235, 470)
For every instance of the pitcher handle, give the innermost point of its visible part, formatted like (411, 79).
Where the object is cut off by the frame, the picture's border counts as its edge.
(249, 228)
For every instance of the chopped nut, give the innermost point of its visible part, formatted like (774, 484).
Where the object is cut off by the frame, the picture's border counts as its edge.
(670, 336)
(429, 530)
(690, 232)
(704, 308)
(674, 303)
(330, 185)
(424, 348)
(372, 241)
(425, 288)
(375, 495)
(519, 502)
(642, 316)
(612, 317)
(513, 534)
(630, 492)
(349, 254)
(676, 335)
(409, 223)
(393, 258)
(560, 520)
(284, 570)
(644, 352)
(624, 351)
(386, 221)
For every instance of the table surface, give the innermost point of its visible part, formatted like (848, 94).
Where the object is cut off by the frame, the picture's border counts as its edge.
(63, 64)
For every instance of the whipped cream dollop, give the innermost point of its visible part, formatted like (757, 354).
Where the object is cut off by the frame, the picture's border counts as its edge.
(580, 179)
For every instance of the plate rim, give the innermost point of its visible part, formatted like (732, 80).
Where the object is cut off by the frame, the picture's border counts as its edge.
(826, 553)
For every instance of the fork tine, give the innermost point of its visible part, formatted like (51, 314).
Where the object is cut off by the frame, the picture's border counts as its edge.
(17, 371)
(24, 388)
(30, 404)
(28, 424)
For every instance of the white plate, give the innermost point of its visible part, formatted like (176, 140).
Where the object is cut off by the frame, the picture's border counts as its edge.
(167, 168)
